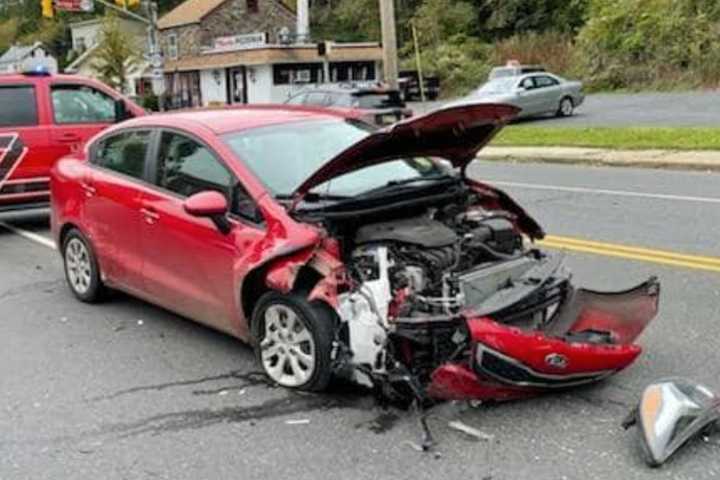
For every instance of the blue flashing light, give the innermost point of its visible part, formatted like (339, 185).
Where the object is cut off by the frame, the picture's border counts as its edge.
(38, 71)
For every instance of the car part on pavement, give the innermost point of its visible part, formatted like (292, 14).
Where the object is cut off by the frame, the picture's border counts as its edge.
(670, 413)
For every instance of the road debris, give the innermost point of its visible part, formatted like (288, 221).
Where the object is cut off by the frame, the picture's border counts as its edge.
(470, 431)
(688, 410)
(415, 446)
(301, 421)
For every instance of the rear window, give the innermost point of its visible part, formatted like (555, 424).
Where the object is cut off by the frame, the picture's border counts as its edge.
(379, 100)
(19, 107)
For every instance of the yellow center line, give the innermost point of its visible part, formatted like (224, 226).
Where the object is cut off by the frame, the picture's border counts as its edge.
(662, 257)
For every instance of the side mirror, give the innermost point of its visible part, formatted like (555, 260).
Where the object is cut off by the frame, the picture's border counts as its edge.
(669, 414)
(209, 204)
(121, 111)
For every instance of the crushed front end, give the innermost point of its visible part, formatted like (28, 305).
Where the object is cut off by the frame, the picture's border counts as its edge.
(458, 306)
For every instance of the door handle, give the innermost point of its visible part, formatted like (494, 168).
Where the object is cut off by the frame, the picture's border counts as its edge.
(151, 216)
(89, 189)
(69, 138)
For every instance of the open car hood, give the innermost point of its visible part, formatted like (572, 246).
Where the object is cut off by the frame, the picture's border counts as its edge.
(454, 133)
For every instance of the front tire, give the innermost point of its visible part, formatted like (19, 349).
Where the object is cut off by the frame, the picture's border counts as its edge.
(566, 107)
(293, 341)
(81, 268)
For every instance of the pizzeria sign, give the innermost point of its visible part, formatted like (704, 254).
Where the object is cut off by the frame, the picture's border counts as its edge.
(238, 42)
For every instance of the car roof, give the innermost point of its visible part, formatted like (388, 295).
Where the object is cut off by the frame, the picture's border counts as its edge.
(349, 90)
(232, 119)
(39, 77)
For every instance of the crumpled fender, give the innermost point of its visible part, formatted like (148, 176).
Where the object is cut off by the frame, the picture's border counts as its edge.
(324, 258)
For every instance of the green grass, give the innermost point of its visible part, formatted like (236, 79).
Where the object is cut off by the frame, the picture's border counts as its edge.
(680, 138)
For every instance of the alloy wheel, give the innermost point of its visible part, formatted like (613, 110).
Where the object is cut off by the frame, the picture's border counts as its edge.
(287, 349)
(78, 265)
(566, 107)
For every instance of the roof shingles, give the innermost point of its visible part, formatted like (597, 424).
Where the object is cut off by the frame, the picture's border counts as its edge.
(188, 12)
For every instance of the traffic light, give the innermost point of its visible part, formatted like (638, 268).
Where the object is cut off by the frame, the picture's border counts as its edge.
(47, 8)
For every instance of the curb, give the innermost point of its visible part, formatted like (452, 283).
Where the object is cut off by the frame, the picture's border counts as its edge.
(667, 159)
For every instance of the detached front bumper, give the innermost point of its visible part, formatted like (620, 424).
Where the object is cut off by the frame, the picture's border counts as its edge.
(590, 338)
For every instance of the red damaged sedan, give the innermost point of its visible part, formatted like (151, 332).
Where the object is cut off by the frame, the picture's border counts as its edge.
(340, 250)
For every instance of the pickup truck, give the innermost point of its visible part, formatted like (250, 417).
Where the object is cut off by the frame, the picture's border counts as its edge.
(44, 117)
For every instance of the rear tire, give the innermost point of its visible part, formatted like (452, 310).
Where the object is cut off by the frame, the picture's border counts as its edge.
(81, 268)
(566, 107)
(293, 340)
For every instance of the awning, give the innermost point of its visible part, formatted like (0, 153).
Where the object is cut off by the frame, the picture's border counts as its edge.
(276, 54)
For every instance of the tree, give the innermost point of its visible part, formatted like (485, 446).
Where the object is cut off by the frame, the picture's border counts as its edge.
(8, 33)
(117, 53)
(506, 17)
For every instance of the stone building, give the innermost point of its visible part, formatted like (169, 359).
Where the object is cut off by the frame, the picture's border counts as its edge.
(249, 51)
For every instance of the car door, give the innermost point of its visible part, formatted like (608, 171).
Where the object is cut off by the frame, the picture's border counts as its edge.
(25, 158)
(79, 112)
(189, 262)
(113, 204)
(549, 93)
(528, 98)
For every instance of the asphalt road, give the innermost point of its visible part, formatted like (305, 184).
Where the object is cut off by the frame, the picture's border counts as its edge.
(681, 109)
(126, 390)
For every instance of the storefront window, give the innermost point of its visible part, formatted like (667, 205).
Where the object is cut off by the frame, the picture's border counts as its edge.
(182, 90)
(291, 73)
(352, 71)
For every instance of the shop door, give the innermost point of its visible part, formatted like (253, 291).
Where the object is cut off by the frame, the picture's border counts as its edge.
(237, 85)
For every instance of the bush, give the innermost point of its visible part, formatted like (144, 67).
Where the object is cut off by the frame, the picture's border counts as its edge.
(150, 102)
(650, 43)
(554, 50)
(460, 62)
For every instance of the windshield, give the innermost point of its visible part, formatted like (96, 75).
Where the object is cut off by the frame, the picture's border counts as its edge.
(284, 156)
(498, 85)
(503, 72)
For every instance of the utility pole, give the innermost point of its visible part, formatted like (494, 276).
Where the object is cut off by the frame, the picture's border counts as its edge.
(418, 63)
(389, 42)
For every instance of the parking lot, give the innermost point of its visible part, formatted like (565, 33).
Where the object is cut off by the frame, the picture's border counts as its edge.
(126, 390)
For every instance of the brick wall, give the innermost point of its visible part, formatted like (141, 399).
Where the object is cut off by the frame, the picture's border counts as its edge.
(231, 18)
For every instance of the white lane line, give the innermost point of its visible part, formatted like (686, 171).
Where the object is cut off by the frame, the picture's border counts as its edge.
(34, 237)
(600, 191)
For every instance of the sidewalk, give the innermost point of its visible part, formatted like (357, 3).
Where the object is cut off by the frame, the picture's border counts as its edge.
(680, 159)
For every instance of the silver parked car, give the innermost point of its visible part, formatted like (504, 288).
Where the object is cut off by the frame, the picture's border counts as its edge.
(535, 93)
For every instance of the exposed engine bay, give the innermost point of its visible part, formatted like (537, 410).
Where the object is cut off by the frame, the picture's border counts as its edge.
(422, 286)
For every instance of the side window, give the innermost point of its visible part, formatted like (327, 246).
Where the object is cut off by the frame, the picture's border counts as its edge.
(124, 153)
(82, 104)
(186, 167)
(527, 83)
(545, 81)
(19, 107)
(343, 100)
(297, 100)
(316, 98)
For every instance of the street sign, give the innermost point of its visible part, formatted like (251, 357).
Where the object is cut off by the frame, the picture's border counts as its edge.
(158, 86)
(75, 5)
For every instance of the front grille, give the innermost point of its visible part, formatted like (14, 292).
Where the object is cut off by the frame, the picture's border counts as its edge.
(513, 372)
